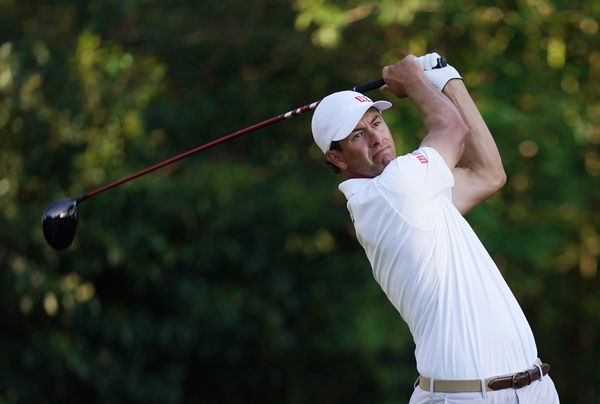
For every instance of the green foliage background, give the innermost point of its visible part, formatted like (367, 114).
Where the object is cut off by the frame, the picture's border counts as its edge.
(235, 276)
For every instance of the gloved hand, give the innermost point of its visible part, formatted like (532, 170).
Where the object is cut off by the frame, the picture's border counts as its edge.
(438, 77)
(429, 61)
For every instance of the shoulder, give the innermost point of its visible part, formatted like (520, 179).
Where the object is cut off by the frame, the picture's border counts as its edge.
(416, 160)
(423, 169)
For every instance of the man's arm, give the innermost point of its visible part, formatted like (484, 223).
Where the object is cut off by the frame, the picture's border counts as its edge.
(480, 172)
(445, 127)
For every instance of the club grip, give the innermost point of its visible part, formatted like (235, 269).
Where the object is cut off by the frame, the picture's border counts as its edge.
(372, 85)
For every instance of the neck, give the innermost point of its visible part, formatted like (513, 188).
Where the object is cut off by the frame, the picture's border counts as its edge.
(349, 175)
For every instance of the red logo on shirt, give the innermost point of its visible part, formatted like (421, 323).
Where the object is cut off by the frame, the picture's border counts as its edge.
(363, 98)
(420, 157)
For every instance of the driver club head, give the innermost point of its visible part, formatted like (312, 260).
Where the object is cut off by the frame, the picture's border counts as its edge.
(59, 223)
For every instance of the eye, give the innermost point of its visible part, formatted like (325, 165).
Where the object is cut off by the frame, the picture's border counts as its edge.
(357, 136)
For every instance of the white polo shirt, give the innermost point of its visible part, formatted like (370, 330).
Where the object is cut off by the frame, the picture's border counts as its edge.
(465, 321)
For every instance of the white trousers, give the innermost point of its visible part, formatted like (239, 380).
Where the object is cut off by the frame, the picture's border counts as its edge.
(538, 392)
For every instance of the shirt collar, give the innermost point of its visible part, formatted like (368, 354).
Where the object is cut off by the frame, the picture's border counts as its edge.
(352, 185)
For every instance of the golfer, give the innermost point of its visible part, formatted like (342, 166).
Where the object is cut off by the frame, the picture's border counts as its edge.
(473, 342)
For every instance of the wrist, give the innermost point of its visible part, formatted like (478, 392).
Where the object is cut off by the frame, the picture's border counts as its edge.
(455, 90)
(453, 85)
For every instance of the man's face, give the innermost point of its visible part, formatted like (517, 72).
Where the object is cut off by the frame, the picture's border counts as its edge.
(367, 150)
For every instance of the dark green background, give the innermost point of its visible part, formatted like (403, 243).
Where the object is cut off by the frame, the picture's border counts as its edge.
(235, 276)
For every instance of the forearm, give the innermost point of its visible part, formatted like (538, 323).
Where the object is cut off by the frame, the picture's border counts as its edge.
(480, 154)
(446, 130)
(439, 115)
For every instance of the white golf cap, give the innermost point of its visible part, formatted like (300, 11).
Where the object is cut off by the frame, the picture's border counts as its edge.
(337, 115)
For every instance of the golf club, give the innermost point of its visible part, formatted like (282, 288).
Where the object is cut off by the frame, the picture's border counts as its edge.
(59, 221)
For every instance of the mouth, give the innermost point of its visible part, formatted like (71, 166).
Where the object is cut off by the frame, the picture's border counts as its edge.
(380, 152)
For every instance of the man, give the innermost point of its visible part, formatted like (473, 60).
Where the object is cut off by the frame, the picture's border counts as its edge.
(473, 342)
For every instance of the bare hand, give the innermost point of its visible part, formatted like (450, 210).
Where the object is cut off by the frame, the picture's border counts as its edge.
(400, 76)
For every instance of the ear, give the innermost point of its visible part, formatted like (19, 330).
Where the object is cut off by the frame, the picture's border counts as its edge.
(336, 158)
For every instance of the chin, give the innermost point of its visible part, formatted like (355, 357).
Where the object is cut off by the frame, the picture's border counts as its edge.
(387, 160)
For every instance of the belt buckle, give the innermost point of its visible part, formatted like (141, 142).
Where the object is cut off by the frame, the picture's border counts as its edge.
(514, 383)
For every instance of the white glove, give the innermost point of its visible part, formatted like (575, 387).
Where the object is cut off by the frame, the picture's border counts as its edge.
(438, 77)
(429, 61)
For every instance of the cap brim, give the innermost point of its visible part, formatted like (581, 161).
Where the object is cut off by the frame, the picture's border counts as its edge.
(349, 126)
(382, 105)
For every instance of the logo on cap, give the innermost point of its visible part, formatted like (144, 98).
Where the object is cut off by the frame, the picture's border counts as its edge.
(363, 98)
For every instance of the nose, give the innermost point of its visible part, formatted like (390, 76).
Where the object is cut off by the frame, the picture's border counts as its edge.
(374, 138)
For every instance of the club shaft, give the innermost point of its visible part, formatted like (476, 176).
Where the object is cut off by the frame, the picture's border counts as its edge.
(362, 88)
(186, 154)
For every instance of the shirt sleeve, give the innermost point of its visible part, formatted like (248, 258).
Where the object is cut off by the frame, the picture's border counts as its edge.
(422, 174)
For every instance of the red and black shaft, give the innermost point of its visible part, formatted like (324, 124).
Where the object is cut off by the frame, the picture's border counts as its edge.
(360, 88)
